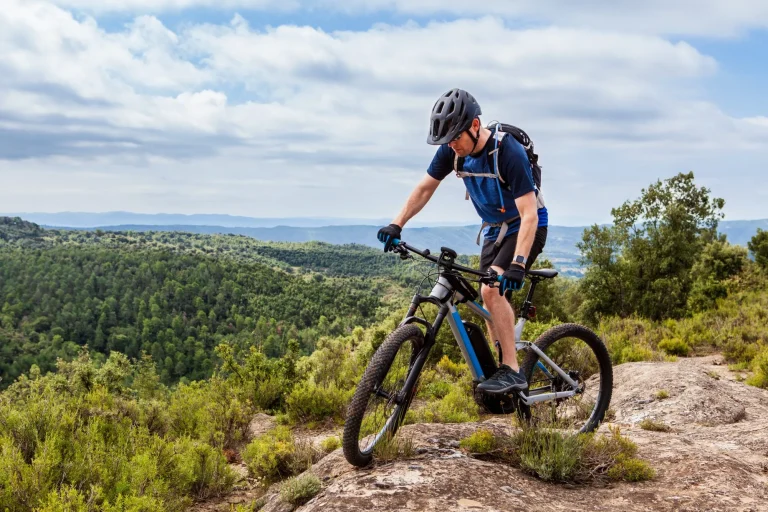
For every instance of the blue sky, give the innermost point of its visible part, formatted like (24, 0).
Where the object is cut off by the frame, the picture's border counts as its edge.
(299, 108)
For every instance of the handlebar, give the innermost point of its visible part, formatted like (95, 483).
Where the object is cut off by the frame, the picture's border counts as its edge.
(402, 248)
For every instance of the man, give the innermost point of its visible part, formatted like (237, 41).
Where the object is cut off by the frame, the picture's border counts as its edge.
(514, 224)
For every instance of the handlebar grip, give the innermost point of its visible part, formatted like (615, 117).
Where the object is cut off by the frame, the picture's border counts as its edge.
(396, 241)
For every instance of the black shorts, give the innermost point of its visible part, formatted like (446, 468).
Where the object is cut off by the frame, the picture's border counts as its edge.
(502, 256)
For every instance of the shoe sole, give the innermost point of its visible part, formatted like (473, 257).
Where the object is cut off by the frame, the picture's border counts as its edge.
(501, 391)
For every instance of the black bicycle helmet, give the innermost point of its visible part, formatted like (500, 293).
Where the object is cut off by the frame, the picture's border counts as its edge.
(452, 114)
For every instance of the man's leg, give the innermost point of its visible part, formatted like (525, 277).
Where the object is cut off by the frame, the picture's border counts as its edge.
(503, 317)
(503, 328)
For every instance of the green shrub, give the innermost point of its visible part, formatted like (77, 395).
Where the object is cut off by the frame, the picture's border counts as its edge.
(456, 407)
(270, 456)
(481, 441)
(309, 402)
(253, 506)
(662, 394)
(330, 444)
(276, 455)
(549, 454)
(556, 456)
(200, 470)
(631, 470)
(760, 367)
(758, 246)
(393, 448)
(66, 499)
(300, 489)
(674, 346)
(635, 353)
(448, 367)
(437, 389)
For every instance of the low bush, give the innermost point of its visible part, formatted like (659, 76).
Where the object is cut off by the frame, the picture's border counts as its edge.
(299, 490)
(276, 455)
(482, 441)
(552, 455)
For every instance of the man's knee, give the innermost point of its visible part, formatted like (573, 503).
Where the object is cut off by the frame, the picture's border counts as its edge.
(491, 297)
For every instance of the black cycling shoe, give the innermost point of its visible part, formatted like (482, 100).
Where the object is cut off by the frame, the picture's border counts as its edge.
(503, 381)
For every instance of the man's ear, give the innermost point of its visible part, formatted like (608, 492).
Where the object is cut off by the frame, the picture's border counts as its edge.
(476, 124)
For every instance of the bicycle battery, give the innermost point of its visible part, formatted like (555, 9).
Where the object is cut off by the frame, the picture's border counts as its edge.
(481, 348)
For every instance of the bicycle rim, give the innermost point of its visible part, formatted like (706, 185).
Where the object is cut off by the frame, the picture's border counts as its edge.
(387, 401)
(581, 354)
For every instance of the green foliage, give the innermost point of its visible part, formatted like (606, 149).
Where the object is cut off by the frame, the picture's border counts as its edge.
(482, 441)
(549, 455)
(718, 262)
(760, 367)
(174, 307)
(310, 402)
(270, 456)
(394, 448)
(642, 263)
(555, 456)
(456, 407)
(16, 229)
(451, 369)
(253, 506)
(81, 437)
(629, 340)
(631, 470)
(330, 444)
(276, 455)
(300, 489)
(662, 394)
(674, 346)
(758, 246)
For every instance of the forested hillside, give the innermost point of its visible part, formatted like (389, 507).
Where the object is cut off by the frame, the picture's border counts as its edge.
(175, 296)
(144, 356)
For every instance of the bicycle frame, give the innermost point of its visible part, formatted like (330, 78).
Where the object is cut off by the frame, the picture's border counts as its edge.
(446, 297)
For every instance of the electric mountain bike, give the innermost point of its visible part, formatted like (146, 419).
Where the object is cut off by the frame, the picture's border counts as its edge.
(568, 368)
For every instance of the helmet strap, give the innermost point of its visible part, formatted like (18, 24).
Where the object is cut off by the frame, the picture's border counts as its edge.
(475, 139)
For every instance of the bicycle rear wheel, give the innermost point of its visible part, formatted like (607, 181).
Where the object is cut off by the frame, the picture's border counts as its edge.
(582, 355)
(380, 401)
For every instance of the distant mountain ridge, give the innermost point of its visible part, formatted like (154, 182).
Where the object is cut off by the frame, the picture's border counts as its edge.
(94, 220)
(560, 249)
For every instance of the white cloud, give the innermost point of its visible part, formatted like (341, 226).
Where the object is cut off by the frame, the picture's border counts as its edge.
(156, 6)
(682, 17)
(231, 117)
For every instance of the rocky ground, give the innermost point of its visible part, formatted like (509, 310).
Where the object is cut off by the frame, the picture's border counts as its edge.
(714, 458)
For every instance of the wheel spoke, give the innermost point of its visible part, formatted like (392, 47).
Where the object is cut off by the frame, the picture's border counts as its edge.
(580, 354)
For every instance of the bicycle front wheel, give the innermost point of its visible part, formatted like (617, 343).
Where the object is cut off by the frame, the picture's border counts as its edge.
(582, 355)
(380, 401)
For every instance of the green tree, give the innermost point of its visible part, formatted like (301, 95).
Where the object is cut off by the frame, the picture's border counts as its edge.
(643, 263)
(758, 246)
(717, 262)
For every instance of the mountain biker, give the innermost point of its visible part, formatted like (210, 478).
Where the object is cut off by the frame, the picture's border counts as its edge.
(455, 127)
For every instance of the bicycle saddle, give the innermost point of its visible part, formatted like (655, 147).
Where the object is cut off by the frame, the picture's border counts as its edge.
(545, 273)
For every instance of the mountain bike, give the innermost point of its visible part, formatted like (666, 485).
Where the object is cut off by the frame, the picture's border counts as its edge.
(568, 368)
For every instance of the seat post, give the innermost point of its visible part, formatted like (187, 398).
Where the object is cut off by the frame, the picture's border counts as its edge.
(529, 298)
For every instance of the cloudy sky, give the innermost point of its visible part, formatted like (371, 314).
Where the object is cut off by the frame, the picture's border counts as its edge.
(293, 108)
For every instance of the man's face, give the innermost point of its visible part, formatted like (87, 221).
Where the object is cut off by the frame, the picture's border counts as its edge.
(463, 145)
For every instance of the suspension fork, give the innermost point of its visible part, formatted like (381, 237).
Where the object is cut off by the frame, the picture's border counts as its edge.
(421, 358)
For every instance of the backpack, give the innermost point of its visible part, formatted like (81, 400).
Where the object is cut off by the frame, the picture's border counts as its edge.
(520, 136)
(523, 138)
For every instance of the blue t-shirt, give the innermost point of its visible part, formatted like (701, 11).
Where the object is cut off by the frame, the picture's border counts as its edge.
(515, 171)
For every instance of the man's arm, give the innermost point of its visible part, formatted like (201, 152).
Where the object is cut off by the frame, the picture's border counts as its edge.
(420, 197)
(529, 221)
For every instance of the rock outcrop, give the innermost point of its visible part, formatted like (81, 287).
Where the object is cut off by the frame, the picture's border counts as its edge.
(714, 458)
